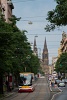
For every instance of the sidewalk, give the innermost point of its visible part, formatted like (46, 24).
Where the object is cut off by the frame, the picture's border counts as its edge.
(53, 91)
(7, 94)
(14, 91)
(55, 88)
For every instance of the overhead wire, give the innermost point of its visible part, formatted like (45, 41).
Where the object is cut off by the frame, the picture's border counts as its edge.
(44, 34)
(23, 1)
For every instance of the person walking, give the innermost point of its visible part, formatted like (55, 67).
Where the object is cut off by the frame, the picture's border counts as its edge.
(7, 85)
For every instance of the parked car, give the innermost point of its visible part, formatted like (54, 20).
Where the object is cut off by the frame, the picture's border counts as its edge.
(57, 81)
(65, 80)
(61, 84)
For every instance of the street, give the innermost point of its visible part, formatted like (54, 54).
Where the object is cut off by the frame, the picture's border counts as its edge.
(41, 92)
(61, 95)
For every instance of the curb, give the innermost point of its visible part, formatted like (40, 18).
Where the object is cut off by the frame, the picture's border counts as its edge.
(60, 89)
(9, 94)
(56, 93)
(56, 89)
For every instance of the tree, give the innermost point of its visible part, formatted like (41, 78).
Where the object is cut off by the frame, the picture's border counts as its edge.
(14, 49)
(34, 64)
(13, 46)
(5, 52)
(58, 16)
(21, 49)
(14, 20)
(61, 64)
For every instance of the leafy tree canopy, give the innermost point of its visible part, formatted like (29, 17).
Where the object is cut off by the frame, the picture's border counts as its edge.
(14, 50)
(61, 64)
(13, 46)
(58, 16)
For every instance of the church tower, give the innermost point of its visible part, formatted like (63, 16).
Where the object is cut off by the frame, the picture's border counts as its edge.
(45, 54)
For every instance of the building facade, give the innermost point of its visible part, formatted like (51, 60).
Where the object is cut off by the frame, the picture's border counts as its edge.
(64, 42)
(6, 7)
(45, 59)
(45, 54)
(35, 51)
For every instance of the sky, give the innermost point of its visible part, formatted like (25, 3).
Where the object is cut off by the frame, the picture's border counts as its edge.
(36, 12)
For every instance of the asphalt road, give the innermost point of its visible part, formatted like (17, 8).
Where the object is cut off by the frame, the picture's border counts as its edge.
(62, 95)
(41, 92)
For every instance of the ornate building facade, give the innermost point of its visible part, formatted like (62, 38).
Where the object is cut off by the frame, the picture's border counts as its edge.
(64, 43)
(45, 58)
(45, 54)
(35, 48)
(6, 7)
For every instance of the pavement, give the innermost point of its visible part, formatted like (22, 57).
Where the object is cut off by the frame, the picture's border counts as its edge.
(7, 94)
(55, 88)
(53, 91)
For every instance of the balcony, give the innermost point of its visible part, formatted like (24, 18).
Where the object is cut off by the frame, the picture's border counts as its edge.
(63, 45)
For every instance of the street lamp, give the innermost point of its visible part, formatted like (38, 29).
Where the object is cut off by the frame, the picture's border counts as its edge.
(30, 22)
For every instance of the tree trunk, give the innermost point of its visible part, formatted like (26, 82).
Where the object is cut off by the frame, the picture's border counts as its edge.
(1, 84)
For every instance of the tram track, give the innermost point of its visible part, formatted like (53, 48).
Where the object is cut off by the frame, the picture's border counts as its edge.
(30, 92)
(24, 95)
(37, 93)
(40, 92)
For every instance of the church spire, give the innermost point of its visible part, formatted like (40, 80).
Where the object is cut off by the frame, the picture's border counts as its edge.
(45, 44)
(45, 54)
(35, 46)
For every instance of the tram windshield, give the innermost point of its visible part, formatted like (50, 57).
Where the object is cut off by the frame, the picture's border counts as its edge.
(25, 79)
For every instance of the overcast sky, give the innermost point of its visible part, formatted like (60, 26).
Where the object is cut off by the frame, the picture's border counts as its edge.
(36, 11)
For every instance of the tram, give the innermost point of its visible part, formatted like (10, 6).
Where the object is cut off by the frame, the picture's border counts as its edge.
(25, 82)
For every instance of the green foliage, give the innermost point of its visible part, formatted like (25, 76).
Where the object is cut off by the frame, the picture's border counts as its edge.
(14, 49)
(13, 46)
(14, 20)
(61, 64)
(58, 16)
(5, 42)
(34, 64)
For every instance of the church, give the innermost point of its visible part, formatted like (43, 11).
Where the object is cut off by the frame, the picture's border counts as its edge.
(45, 59)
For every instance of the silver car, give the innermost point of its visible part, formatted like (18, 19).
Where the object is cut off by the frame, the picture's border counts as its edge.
(61, 84)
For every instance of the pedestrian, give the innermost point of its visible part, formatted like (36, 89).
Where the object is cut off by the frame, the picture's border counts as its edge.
(52, 82)
(7, 85)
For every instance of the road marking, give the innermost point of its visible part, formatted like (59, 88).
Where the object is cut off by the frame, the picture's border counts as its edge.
(56, 94)
(41, 84)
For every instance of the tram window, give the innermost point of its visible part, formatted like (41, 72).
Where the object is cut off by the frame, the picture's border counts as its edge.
(26, 80)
